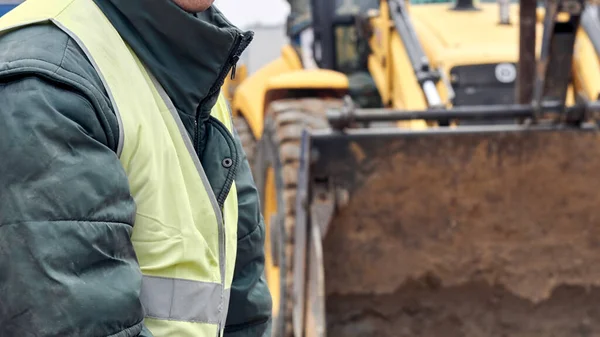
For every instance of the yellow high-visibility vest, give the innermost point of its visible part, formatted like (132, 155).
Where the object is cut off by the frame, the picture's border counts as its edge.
(185, 244)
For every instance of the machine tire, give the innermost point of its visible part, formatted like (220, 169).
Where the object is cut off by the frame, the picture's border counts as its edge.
(279, 149)
(246, 137)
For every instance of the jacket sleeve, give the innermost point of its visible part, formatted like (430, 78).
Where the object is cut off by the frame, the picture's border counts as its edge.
(250, 304)
(67, 266)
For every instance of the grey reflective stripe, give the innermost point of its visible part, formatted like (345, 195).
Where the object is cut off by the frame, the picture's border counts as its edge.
(183, 300)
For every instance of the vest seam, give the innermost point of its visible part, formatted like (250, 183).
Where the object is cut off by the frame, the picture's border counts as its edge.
(62, 10)
(172, 298)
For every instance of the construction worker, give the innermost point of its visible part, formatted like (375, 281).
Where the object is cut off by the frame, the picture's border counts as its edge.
(127, 206)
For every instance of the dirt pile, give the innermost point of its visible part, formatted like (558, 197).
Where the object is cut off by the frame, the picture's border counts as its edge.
(505, 224)
(472, 310)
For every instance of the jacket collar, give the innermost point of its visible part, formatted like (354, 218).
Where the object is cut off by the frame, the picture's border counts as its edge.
(189, 54)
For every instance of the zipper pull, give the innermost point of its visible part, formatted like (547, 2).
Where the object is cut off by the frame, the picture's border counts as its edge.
(233, 71)
(234, 67)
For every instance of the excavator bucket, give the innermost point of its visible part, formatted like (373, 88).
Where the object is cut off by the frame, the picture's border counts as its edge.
(470, 231)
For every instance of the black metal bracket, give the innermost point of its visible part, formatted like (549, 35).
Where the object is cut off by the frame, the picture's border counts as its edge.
(348, 115)
(554, 66)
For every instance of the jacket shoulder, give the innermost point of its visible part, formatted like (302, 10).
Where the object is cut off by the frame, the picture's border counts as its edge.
(41, 42)
(44, 47)
(46, 51)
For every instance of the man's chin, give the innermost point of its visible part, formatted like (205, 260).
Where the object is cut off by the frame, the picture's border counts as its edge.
(194, 6)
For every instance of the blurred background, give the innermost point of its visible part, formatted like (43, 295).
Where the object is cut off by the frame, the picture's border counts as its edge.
(244, 13)
(267, 19)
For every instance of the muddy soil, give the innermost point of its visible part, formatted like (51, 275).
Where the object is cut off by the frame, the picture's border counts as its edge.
(421, 309)
(508, 227)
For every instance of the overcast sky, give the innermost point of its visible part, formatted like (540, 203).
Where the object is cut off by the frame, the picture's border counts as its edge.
(245, 12)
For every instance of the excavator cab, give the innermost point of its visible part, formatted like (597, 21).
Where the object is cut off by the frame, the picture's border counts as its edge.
(337, 44)
(338, 41)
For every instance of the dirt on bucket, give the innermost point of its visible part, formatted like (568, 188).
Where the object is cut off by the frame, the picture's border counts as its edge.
(469, 235)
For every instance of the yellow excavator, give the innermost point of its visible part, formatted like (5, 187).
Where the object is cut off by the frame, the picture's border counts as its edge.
(435, 41)
(429, 168)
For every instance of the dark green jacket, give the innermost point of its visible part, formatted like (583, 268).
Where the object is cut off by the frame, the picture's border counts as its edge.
(67, 266)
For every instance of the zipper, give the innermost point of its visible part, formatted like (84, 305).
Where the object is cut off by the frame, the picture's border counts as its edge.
(241, 42)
